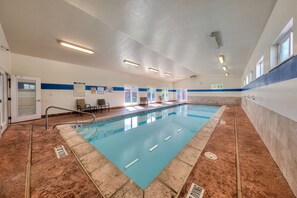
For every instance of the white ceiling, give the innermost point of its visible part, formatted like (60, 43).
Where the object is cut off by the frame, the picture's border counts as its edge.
(171, 35)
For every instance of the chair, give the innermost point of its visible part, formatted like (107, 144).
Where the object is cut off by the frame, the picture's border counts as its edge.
(161, 98)
(102, 104)
(82, 106)
(143, 101)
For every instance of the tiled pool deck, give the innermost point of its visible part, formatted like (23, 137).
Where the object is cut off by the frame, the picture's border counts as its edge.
(111, 182)
(65, 177)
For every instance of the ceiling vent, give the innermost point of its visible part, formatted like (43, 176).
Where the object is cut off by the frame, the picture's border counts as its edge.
(193, 76)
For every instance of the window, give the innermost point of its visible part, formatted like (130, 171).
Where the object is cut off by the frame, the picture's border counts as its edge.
(251, 76)
(247, 79)
(151, 95)
(285, 47)
(131, 94)
(260, 67)
(282, 48)
(184, 94)
(165, 94)
(217, 86)
(181, 94)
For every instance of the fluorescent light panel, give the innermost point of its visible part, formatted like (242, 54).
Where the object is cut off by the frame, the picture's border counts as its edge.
(167, 74)
(131, 63)
(76, 47)
(221, 59)
(225, 68)
(153, 69)
(227, 74)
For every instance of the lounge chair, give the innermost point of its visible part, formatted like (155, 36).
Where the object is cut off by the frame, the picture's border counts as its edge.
(143, 101)
(102, 104)
(82, 106)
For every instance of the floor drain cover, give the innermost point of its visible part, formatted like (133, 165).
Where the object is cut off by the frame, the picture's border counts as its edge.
(195, 191)
(60, 151)
(211, 155)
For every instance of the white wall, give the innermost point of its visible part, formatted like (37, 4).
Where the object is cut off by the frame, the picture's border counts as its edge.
(278, 97)
(5, 56)
(63, 73)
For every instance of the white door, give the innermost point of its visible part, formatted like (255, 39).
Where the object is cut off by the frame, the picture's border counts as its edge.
(25, 98)
(3, 101)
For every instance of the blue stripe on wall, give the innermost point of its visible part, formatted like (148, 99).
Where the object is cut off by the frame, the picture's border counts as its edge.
(56, 86)
(214, 90)
(142, 89)
(283, 72)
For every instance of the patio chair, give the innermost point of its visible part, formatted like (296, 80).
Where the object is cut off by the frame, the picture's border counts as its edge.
(102, 104)
(82, 106)
(143, 101)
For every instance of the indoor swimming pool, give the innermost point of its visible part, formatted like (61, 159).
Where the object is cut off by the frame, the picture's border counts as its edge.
(142, 145)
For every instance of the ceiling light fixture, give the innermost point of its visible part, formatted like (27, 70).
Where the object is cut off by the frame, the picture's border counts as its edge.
(227, 74)
(76, 47)
(214, 39)
(131, 63)
(221, 59)
(153, 69)
(225, 68)
(180, 77)
(167, 74)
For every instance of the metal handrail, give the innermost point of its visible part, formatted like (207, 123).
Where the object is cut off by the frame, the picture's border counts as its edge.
(70, 110)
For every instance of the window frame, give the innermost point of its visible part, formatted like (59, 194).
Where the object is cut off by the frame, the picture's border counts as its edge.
(260, 65)
(131, 89)
(289, 35)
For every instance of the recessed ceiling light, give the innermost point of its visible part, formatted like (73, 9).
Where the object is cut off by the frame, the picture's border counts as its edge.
(167, 74)
(76, 47)
(221, 59)
(227, 74)
(225, 68)
(180, 77)
(131, 63)
(153, 69)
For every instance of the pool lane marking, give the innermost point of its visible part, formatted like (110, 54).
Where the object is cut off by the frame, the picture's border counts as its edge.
(153, 148)
(131, 163)
(167, 138)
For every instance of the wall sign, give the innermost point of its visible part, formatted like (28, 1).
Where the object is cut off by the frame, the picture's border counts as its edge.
(79, 89)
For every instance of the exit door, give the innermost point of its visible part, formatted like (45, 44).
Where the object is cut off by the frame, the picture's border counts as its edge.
(25, 98)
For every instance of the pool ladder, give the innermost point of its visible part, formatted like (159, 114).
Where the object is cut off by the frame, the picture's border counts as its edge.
(69, 110)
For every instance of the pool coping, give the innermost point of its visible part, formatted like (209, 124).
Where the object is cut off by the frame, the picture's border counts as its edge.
(112, 182)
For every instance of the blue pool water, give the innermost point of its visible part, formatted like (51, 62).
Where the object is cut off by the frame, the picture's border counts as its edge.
(142, 145)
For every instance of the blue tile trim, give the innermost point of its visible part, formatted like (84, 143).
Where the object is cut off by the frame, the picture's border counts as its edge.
(159, 90)
(56, 86)
(283, 72)
(118, 88)
(214, 90)
(171, 90)
(142, 89)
